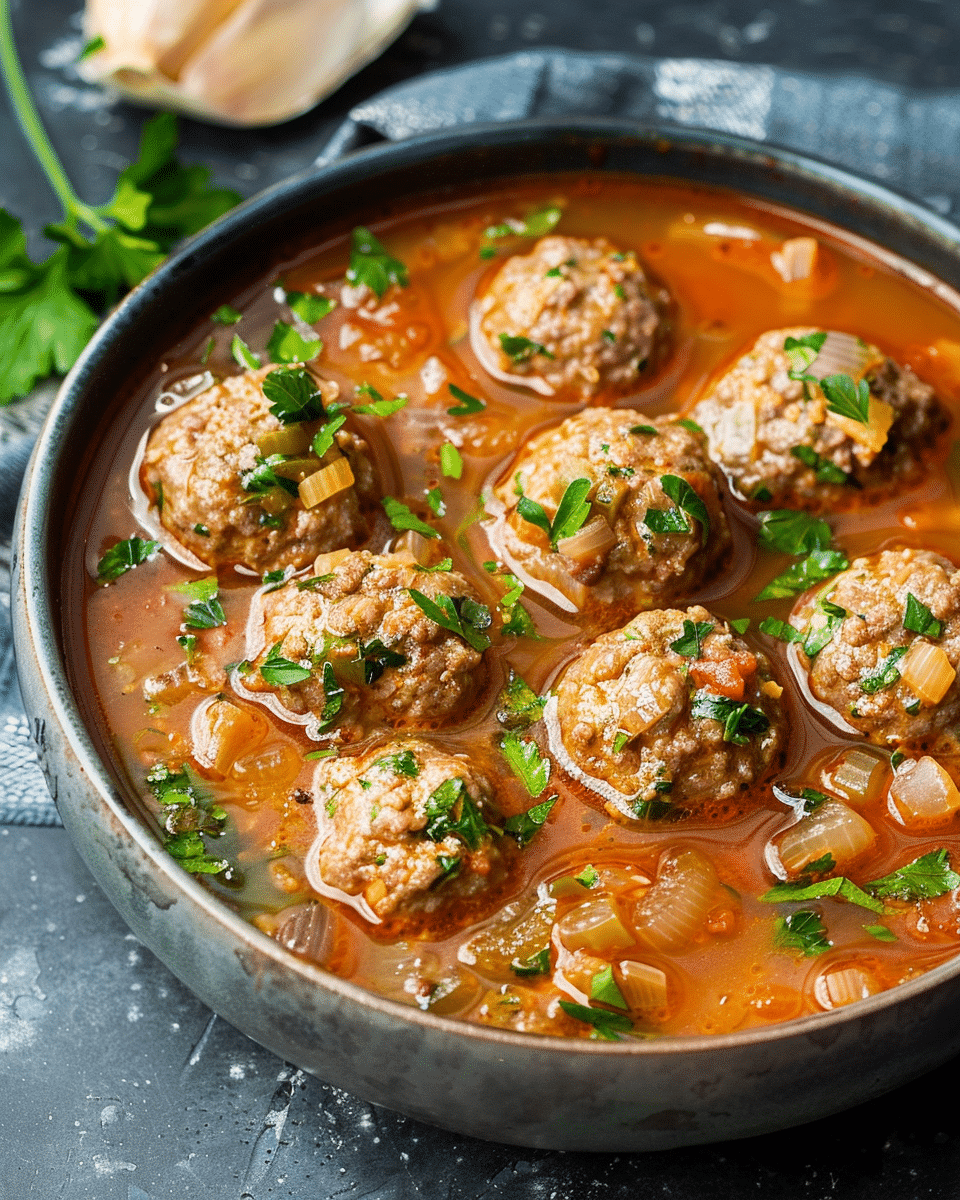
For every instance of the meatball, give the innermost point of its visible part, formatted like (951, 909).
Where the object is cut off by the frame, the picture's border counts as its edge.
(405, 826)
(571, 316)
(656, 529)
(866, 656)
(364, 653)
(199, 466)
(672, 710)
(772, 433)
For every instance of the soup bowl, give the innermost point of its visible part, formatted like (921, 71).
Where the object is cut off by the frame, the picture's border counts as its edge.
(491, 1083)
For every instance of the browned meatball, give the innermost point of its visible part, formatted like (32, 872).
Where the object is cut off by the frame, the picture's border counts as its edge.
(571, 316)
(779, 444)
(372, 655)
(880, 676)
(656, 529)
(672, 710)
(405, 826)
(200, 456)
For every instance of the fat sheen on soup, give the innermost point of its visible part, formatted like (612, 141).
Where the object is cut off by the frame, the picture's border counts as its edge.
(541, 608)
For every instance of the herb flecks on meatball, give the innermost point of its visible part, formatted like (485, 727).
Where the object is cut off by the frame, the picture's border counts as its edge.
(356, 649)
(889, 628)
(613, 510)
(224, 472)
(674, 711)
(821, 420)
(404, 825)
(572, 316)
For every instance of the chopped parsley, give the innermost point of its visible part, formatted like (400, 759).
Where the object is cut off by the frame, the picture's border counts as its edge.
(801, 353)
(673, 520)
(589, 878)
(451, 464)
(205, 611)
(188, 644)
(403, 762)
(325, 437)
(649, 430)
(445, 564)
(923, 879)
(187, 817)
(536, 964)
(690, 425)
(792, 532)
(880, 932)
(288, 345)
(836, 885)
(376, 658)
(847, 398)
(526, 762)
(401, 517)
(608, 335)
(124, 556)
(535, 224)
(468, 404)
(886, 674)
(378, 406)
(817, 566)
(524, 826)
(309, 307)
(572, 511)
(740, 722)
(459, 615)
(690, 643)
(620, 739)
(740, 625)
(803, 931)
(332, 696)
(280, 671)
(607, 1025)
(243, 356)
(226, 314)
(435, 501)
(919, 619)
(518, 705)
(824, 470)
(603, 987)
(293, 395)
(521, 349)
(372, 265)
(263, 476)
(451, 811)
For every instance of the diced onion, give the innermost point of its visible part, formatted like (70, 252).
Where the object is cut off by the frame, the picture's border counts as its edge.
(323, 564)
(656, 688)
(589, 543)
(922, 791)
(291, 439)
(832, 829)
(593, 926)
(674, 910)
(221, 731)
(568, 886)
(857, 775)
(641, 985)
(305, 929)
(844, 354)
(415, 548)
(328, 481)
(795, 259)
(375, 893)
(551, 572)
(489, 359)
(927, 671)
(844, 985)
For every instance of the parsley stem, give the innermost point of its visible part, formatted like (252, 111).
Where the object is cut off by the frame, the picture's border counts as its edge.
(33, 130)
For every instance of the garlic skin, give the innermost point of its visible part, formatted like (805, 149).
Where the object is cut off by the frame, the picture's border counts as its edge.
(236, 62)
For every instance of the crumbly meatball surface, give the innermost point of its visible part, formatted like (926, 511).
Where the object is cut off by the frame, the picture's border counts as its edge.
(673, 708)
(635, 560)
(394, 664)
(405, 826)
(854, 673)
(779, 444)
(585, 307)
(196, 457)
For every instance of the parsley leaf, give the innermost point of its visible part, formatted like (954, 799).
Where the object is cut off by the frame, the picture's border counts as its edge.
(792, 532)
(376, 658)
(187, 816)
(571, 514)
(451, 464)
(534, 224)
(923, 879)
(690, 644)
(402, 518)
(293, 395)
(378, 406)
(536, 964)
(671, 520)
(880, 932)
(524, 826)
(280, 671)
(608, 1025)
(469, 622)
(886, 674)
(332, 696)
(243, 356)
(371, 264)
(801, 353)
(310, 307)
(919, 619)
(837, 885)
(518, 704)
(325, 437)
(205, 611)
(740, 722)
(521, 349)
(404, 762)
(526, 762)
(123, 557)
(450, 810)
(263, 477)
(226, 314)
(603, 987)
(468, 404)
(288, 345)
(824, 470)
(817, 566)
(847, 398)
(803, 931)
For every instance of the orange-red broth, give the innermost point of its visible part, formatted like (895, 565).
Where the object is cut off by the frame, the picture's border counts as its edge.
(725, 293)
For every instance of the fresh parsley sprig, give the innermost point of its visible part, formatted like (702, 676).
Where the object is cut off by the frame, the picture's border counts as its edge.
(688, 504)
(460, 615)
(572, 512)
(124, 556)
(373, 265)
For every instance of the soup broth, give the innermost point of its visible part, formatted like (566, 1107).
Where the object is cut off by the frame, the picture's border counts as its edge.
(558, 908)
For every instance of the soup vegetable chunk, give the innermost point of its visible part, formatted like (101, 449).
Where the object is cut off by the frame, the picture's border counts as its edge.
(541, 645)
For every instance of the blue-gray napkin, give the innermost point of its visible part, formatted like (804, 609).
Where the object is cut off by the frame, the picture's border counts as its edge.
(907, 138)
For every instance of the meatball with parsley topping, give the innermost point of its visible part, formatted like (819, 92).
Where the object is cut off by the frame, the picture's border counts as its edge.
(672, 712)
(405, 826)
(224, 472)
(881, 644)
(818, 420)
(373, 641)
(572, 316)
(613, 511)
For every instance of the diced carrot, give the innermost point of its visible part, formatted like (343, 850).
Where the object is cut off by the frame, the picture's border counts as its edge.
(726, 676)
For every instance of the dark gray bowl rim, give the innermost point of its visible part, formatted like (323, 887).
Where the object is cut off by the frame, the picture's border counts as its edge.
(35, 525)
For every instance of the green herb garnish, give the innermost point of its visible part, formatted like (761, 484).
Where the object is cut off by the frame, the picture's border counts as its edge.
(521, 349)
(607, 1025)
(803, 931)
(371, 264)
(293, 395)
(468, 621)
(124, 556)
(310, 307)
(451, 464)
(572, 512)
(603, 987)
(280, 671)
(226, 314)
(919, 619)
(518, 705)
(378, 406)
(536, 964)
(526, 762)
(401, 517)
(288, 345)
(524, 826)
(243, 356)
(673, 520)
(740, 722)
(690, 644)
(792, 532)
(923, 879)
(847, 398)
(824, 470)
(886, 674)
(817, 566)
(451, 810)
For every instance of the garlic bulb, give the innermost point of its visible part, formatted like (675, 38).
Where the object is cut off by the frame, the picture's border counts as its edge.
(236, 62)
